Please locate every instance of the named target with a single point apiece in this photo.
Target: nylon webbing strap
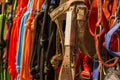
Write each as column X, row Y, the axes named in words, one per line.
column 95, row 70
column 108, row 38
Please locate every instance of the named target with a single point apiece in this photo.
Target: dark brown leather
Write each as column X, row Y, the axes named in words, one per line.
column 63, row 8
column 86, row 41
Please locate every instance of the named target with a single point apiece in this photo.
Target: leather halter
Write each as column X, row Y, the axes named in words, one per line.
column 96, row 24
column 94, row 21
column 112, row 42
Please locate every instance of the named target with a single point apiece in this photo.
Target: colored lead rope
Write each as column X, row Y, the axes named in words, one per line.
column 95, row 70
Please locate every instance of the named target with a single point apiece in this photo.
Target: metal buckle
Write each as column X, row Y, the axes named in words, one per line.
column 98, row 30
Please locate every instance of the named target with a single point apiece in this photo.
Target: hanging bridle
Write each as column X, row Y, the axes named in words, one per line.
column 99, row 28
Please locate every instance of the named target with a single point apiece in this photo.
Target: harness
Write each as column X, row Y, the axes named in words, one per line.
column 110, row 45
column 52, row 39
column 101, row 25
column 60, row 11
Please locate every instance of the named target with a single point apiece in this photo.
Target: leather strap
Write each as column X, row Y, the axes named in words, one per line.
column 60, row 32
column 58, row 15
column 58, row 21
column 108, row 39
column 63, row 8
column 66, row 70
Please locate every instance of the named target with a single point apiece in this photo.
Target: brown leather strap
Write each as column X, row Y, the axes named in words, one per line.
column 62, row 9
column 58, row 21
column 58, row 15
column 67, row 72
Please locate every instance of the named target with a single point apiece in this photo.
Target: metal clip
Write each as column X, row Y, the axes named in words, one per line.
column 98, row 30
